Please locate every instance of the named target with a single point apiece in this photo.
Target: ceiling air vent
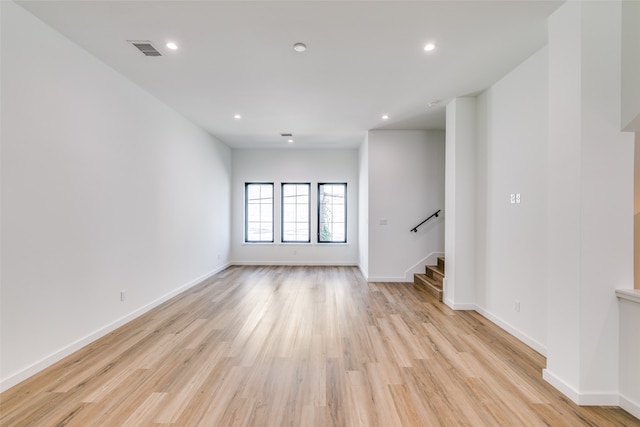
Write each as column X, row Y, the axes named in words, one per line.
column 286, row 134
column 145, row 47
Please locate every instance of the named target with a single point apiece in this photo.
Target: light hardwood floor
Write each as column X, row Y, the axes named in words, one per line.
column 304, row 347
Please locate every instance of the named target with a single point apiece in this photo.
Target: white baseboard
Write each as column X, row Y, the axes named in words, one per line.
column 364, row 273
column 539, row 347
column 296, row 263
column 399, row 279
column 459, row 305
column 559, row 384
column 598, row 399
column 58, row 355
column 419, row 267
column 630, row 406
column 582, row 399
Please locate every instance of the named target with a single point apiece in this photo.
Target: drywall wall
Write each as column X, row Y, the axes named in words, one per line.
column 294, row 165
column 636, row 211
column 630, row 352
column 460, row 203
column 363, row 207
column 511, row 237
column 590, row 201
column 104, row 189
column 630, row 66
column 564, row 169
column 406, row 185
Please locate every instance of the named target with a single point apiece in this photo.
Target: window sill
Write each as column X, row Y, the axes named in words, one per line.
column 294, row 244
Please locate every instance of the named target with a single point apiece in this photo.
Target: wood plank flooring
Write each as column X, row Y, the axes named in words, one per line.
column 300, row 346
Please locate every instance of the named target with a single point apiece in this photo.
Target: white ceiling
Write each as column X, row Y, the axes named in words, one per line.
column 364, row 59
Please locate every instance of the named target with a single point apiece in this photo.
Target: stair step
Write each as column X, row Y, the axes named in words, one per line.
column 430, row 285
column 441, row 263
column 435, row 273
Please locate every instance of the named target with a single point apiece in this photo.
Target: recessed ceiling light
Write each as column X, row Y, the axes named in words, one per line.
column 299, row 47
column 385, row 117
column 429, row 47
column 434, row 103
column 237, row 116
column 172, row 46
column 290, row 141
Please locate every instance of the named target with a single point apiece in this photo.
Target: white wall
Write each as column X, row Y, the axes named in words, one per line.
column 590, row 201
column 461, row 204
column 103, row 189
column 363, row 207
column 511, row 239
column 563, row 284
column 636, row 211
column 406, row 185
column 630, row 66
column 630, row 352
column 294, row 165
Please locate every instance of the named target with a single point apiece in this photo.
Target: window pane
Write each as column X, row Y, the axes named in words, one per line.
column 289, row 232
column 302, row 213
column 338, row 213
column 288, row 190
column 258, row 212
column 253, row 232
column 332, row 213
column 295, row 212
column 265, row 212
column 253, row 212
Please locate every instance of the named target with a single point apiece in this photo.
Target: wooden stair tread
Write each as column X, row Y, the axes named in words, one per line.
column 436, row 270
column 432, row 280
column 429, row 280
column 430, row 285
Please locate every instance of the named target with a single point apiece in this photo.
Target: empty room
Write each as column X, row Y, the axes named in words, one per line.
column 320, row 213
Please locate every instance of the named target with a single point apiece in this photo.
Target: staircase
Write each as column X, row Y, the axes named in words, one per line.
column 432, row 280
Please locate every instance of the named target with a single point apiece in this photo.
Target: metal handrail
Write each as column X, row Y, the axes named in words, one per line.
column 415, row 229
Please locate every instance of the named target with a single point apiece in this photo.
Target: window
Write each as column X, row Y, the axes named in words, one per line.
column 295, row 213
column 332, row 213
column 258, row 226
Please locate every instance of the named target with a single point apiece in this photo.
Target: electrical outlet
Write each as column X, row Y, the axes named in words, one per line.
column 123, row 295
column 513, row 198
column 517, row 197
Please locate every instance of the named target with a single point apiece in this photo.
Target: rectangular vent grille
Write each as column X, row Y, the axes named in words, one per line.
column 286, row 134
column 146, row 48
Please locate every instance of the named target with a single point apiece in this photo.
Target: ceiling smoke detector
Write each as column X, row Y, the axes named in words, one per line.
column 299, row 47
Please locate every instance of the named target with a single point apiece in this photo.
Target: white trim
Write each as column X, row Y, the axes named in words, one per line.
column 598, row 399
column 389, row 279
column 582, row 399
column 539, row 347
column 632, row 295
column 297, row 263
column 561, row 386
column 363, row 272
column 419, row 267
column 459, row 305
column 630, row 406
column 58, row 355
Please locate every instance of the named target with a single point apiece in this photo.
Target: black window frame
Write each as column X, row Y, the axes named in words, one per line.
column 282, row 239
column 246, row 212
column 320, row 184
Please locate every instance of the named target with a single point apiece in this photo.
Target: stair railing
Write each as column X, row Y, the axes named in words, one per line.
column 415, row 229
